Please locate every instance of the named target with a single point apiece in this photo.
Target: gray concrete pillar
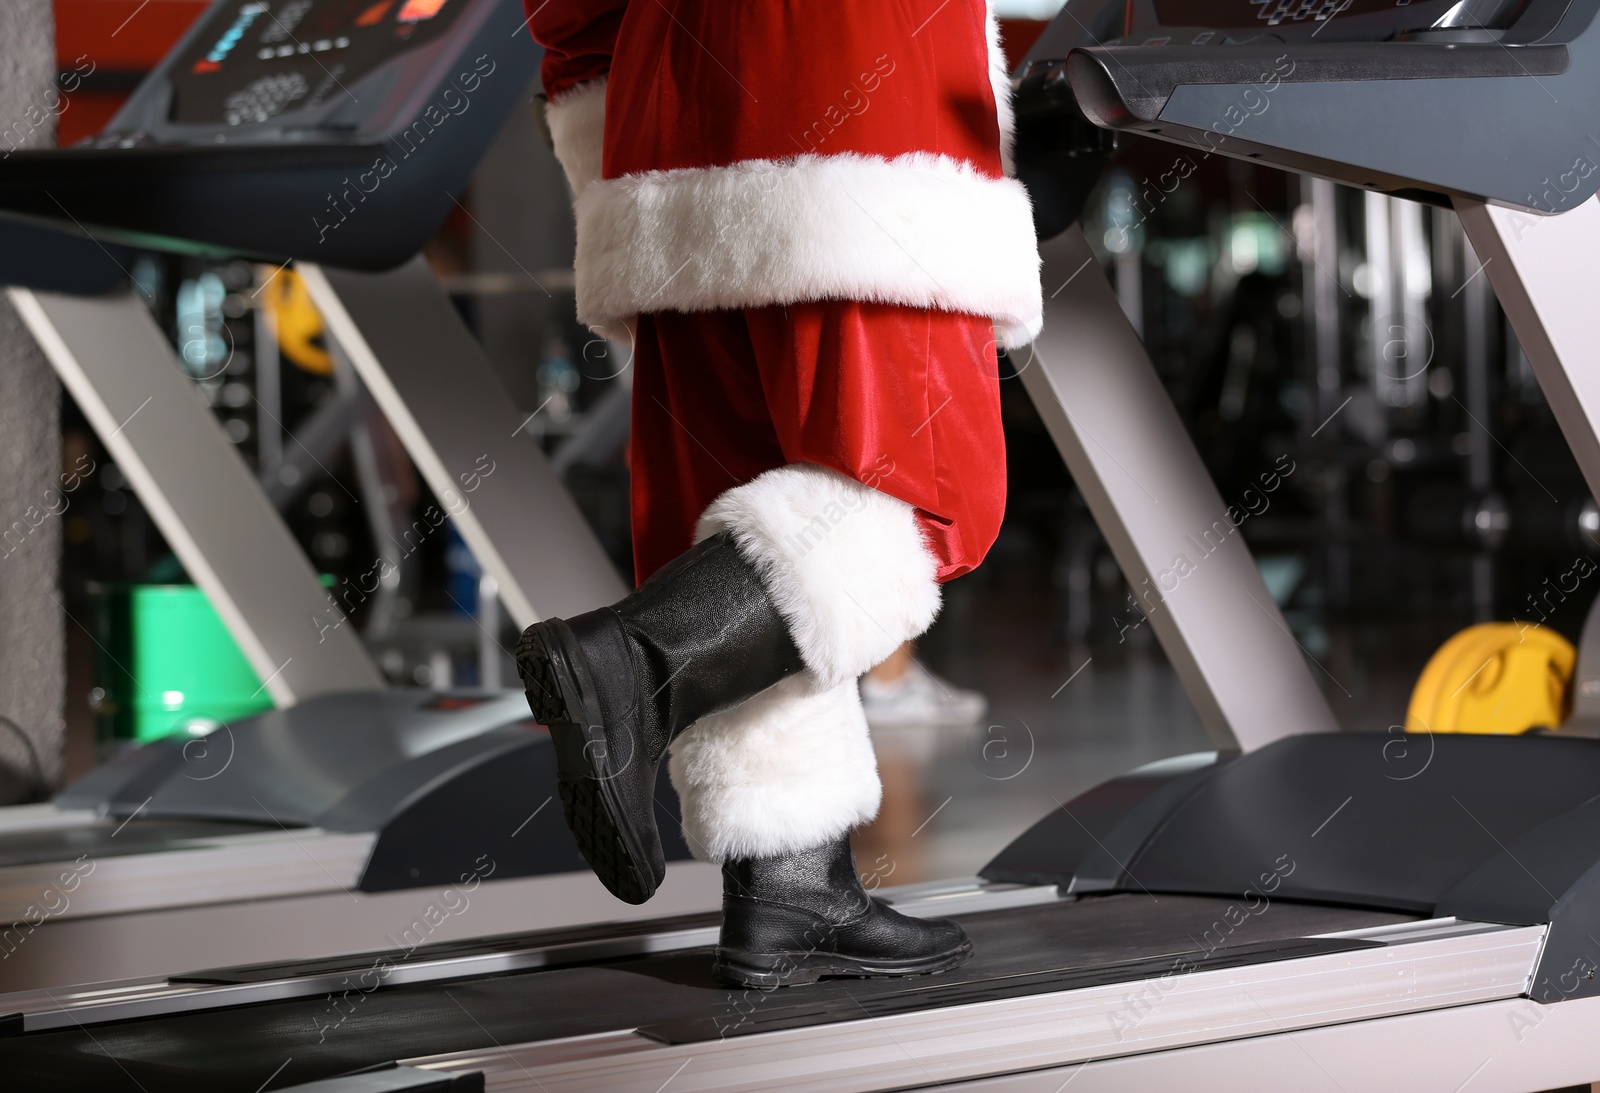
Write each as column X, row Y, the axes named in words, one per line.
column 32, row 650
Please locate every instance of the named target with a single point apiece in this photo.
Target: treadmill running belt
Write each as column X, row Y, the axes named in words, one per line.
column 1109, row 937
column 774, row 1016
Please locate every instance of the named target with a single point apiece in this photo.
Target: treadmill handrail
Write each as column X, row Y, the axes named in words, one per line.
column 1119, row 86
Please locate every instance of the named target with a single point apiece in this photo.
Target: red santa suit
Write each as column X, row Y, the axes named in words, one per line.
column 800, row 218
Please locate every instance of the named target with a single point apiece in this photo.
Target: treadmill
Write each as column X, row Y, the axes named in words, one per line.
column 335, row 136
column 1300, row 908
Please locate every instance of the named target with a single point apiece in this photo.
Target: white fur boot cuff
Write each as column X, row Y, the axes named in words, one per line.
column 781, row 772
column 846, row 565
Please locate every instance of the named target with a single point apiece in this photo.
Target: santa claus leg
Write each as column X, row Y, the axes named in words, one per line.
column 887, row 421
column 771, row 787
column 616, row 685
column 806, row 575
column 864, row 400
column 845, row 455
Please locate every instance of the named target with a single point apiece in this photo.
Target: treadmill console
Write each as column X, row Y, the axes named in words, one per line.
column 1217, row 22
column 295, row 70
column 1432, row 100
column 332, row 131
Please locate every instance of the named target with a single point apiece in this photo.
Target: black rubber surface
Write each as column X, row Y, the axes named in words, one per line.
column 795, row 1009
column 1118, row 938
column 596, row 819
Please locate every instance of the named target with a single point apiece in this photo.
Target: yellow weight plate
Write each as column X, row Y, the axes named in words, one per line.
column 297, row 322
column 1495, row 677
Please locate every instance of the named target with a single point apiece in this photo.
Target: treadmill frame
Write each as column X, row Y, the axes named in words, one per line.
column 199, row 491
column 436, row 387
column 1544, row 270
column 1163, row 518
column 1160, row 511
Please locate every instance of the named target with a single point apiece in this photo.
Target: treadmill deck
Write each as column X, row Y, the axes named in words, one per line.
column 668, row 998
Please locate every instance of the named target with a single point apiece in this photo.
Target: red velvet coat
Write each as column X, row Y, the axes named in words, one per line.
column 777, row 151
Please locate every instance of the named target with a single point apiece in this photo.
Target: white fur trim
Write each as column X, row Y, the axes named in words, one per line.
column 919, row 229
column 846, row 566
column 781, row 772
column 1000, row 80
column 577, row 121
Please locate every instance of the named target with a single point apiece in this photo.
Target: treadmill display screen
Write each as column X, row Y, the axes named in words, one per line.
column 1263, row 14
column 254, row 59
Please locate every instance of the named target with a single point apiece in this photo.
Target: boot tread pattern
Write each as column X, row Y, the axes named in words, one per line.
column 600, row 842
column 538, row 679
column 582, row 797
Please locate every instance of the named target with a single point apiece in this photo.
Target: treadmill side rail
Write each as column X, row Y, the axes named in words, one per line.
column 189, row 872
column 396, row 1079
column 939, row 1043
column 198, row 490
column 1508, row 1046
column 1549, row 875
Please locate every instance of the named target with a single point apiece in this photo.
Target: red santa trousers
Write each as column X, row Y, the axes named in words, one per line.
column 904, row 400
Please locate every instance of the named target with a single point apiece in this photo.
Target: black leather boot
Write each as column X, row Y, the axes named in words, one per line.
column 617, row 685
column 797, row 919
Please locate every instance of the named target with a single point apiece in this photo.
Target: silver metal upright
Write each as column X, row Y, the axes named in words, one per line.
column 1545, row 270
column 203, row 497
column 1099, row 395
column 438, row 390
column 1478, row 319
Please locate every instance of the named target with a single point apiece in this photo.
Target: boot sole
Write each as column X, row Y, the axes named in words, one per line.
column 766, row 971
column 561, row 696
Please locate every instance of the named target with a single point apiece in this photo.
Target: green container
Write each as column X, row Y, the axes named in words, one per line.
column 163, row 658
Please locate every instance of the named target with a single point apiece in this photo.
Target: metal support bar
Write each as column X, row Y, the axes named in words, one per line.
column 1116, row 427
column 125, row 377
column 269, row 397
column 314, row 445
column 1585, row 716
column 438, row 390
column 1481, row 329
column 382, row 524
column 1544, row 269
column 488, row 629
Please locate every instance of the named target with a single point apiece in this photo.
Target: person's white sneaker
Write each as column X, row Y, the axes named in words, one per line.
column 919, row 698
